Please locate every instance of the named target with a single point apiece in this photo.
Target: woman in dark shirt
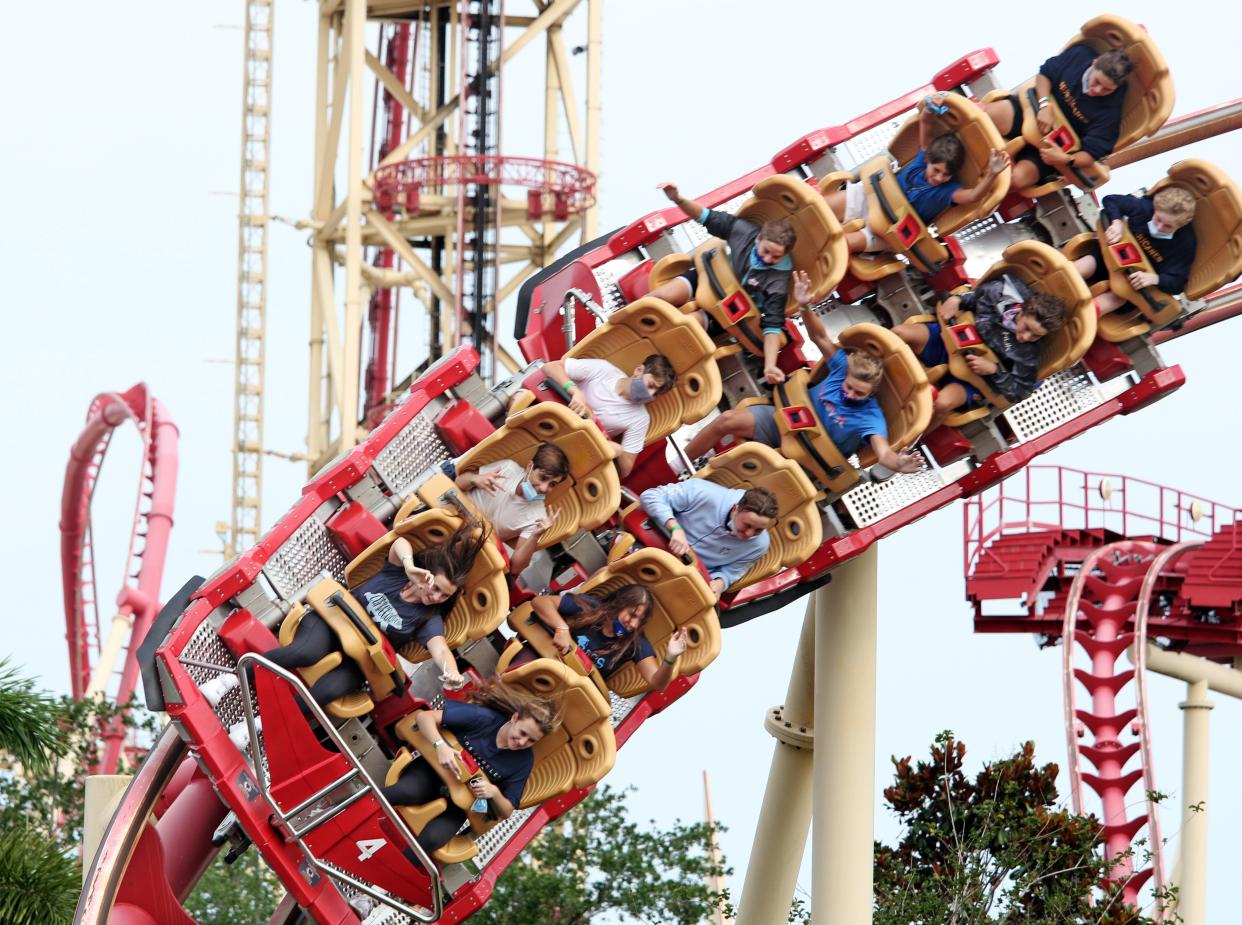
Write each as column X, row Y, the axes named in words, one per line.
column 498, row 728
column 609, row 630
column 407, row 599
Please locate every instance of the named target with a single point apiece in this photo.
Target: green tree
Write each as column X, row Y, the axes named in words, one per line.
column 39, row 878
column 595, row 862
column 995, row 848
column 240, row 893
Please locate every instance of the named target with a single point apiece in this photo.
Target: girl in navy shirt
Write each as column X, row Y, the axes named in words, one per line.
column 498, row 727
column 609, row 630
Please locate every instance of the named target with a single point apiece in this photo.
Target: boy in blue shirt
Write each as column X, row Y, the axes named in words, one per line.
column 844, row 401
column 1083, row 85
column 928, row 181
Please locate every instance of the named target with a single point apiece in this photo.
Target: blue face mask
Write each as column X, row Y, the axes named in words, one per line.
column 619, row 629
column 756, row 262
column 1151, row 230
column 528, row 491
column 639, row 391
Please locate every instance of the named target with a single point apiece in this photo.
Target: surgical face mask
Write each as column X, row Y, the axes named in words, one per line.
column 619, row 629
column 1156, row 233
column 528, row 491
column 639, row 391
column 479, row 806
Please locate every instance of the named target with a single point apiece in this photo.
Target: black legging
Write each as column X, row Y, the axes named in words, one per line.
column 419, row 783
column 313, row 640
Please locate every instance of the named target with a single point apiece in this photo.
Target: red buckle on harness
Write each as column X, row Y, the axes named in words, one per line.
column 735, row 306
column 798, row 417
column 909, row 229
column 966, row 336
column 1126, row 254
column 1063, row 138
column 585, row 660
column 469, row 764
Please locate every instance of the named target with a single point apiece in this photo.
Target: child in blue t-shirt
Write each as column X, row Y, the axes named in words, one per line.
column 928, row 180
column 845, row 402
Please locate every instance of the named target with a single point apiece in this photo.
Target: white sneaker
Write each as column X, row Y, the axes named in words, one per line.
column 213, row 691
column 362, row 904
column 239, row 734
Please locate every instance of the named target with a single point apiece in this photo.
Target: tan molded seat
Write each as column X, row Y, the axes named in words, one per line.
column 592, row 492
column 904, row 395
column 576, row 754
column 361, row 641
column 1148, row 101
column 1043, row 269
column 682, row 598
column 484, row 600
column 820, row 251
column 650, row 326
column 798, row 530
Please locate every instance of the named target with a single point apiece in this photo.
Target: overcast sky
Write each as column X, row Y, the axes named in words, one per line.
column 120, row 260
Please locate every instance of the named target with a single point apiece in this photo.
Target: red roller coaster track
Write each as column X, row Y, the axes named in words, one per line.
column 91, row 661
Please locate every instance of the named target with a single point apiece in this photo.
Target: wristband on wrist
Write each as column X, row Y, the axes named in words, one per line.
column 569, row 384
column 674, row 527
column 669, row 661
column 438, row 742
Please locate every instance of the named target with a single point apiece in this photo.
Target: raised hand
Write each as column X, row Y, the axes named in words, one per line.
column 998, row 160
column 490, row 482
column 802, row 288
column 670, row 190
column 678, row 642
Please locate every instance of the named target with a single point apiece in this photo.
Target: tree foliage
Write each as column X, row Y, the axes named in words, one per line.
column 596, row 863
column 995, row 848
column 240, row 893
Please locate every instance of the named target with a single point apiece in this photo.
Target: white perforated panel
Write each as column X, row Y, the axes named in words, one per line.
column 409, row 454
column 874, row 141
column 304, row 556
column 697, row 234
column 1059, row 398
column 872, row 501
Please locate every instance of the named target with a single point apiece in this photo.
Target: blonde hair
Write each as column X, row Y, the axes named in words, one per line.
column 1177, row 203
column 863, row 366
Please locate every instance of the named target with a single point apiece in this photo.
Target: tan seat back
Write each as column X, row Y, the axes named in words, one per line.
column 484, row 600
column 803, row 439
column 979, row 137
column 1043, row 269
column 820, row 250
column 1149, row 88
column 904, row 393
column 1217, row 223
column 650, row 326
column 360, row 639
column 583, row 749
column 798, row 530
column 591, row 493
column 682, row 599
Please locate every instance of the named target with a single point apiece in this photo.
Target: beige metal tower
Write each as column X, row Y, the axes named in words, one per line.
column 251, row 278
column 440, row 197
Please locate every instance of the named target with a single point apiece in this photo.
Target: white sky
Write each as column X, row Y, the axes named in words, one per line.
column 120, row 266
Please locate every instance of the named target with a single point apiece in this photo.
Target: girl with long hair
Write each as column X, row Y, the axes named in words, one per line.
column 608, row 629
column 408, row 599
column 498, row 727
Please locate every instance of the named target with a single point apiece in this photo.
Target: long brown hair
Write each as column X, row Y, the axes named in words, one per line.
column 599, row 612
column 454, row 557
column 509, row 699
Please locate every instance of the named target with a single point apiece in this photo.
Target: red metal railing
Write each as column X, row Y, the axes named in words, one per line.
column 1061, row 498
column 570, row 187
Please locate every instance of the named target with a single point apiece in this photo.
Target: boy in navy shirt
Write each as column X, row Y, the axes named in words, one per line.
column 1083, row 85
column 929, row 181
column 1161, row 226
column 845, row 402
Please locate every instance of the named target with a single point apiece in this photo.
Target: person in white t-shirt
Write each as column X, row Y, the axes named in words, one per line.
column 512, row 499
column 618, row 401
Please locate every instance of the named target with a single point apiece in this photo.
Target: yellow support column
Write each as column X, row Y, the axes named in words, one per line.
column 780, row 836
column 1192, row 865
column 844, row 791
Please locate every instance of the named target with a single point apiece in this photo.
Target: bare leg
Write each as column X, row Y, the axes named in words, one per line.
column 1024, row 174
column 676, row 291
column 736, row 422
column 913, row 334
column 1001, row 113
column 949, row 399
column 1107, row 302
